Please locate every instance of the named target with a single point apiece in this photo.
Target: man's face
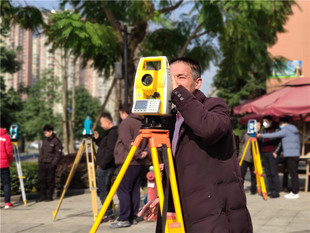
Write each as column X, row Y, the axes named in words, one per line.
column 47, row 134
column 181, row 75
column 123, row 115
column 104, row 123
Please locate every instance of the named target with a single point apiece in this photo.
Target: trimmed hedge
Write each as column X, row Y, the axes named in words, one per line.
column 79, row 179
column 30, row 172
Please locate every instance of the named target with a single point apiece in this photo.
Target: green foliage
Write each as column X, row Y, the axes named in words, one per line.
column 9, row 64
column 27, row 17
column 10, row 105
column 38, row 108
column 30, row 172
column 91, row 41
column 86, row 105
column 249, row 28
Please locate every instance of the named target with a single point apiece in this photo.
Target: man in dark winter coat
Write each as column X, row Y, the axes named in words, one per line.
column 49, row 156
column 128, row 191
column 209, row 181
column 105, row 160
column 270, row 159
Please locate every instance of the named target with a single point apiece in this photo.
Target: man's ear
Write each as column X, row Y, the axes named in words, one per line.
column 198, row 83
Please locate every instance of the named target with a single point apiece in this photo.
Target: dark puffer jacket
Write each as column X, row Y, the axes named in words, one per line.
column 106, row 143
column 209, row 181
column 51, row 150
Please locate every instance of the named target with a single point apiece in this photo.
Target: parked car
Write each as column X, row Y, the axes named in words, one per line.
column 34, row 145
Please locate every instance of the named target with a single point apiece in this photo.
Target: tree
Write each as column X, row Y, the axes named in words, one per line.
column 38, row 108
column 27, row 17
column 94, row 31
column 250, row 27
column 244, row 29
column 67, row 32
column 86, row 105
column 10, row 105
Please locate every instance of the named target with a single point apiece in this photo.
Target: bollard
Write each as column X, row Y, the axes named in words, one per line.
column 151, row 187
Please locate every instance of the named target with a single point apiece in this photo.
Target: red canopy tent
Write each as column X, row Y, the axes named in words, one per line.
column 291, row 100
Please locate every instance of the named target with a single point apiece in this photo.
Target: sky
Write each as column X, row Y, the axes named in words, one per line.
column 207, row 76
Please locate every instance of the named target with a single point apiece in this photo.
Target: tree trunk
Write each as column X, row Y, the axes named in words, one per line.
column 104, row 104
column 65, row 101
column 72, row 122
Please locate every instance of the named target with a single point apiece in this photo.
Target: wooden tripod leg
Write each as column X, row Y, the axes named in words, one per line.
column 178, row 225
column 260, row 171
column 92, row 179
column 71, row 174
column 116, row 183
column 158, row 179
column 175, row 193
column 258, row 184
column 245, row 150
column 19, row 171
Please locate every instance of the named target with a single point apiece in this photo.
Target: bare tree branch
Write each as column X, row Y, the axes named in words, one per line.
column 104, row 104
column 114, row 24
column 191, row 37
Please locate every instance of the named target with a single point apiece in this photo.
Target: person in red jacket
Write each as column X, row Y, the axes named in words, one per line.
column 6, row 157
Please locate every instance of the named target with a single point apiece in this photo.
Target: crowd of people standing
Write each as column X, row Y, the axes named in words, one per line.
column 204, row 148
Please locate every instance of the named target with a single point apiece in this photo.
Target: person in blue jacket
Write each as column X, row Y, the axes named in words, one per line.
column 291, row 150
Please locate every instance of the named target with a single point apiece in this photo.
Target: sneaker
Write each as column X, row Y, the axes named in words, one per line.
column 49, row 199
column 291, row 196
column 41, row 199
column 8, row 205
column 120, row 224
column 110, row 218
column 275, row 195
column 134, row 222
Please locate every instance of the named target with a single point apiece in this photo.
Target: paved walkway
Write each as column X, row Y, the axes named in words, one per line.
column 75, row 216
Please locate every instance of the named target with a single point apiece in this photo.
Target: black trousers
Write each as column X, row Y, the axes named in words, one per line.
column 244, row 167
column 271, row 170
column 128, row 193
column 292, row 166
column 6, row 183
column 46, row 179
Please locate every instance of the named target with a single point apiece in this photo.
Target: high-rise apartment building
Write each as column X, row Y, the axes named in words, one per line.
column 36, row 57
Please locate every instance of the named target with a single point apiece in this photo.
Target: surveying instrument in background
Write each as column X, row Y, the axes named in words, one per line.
column 152, row 92
column 14, row 138
column 258, row 169
column 87, row 143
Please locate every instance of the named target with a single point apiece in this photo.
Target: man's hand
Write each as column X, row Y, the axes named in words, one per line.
column 150, row 209
column 258, row 135
column 143, row 155
column 96, row 134
column 274, row 155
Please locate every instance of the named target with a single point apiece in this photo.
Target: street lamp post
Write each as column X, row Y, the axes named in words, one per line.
column 125, row 33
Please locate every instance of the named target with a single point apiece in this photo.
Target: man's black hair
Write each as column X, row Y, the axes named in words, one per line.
column 107, row 116
column 268, row 117
column 195, row 67
column 48, row 128
column 125, row 108
column 284, row 120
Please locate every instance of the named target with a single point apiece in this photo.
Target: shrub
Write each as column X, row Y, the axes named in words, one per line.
column 30, row 172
